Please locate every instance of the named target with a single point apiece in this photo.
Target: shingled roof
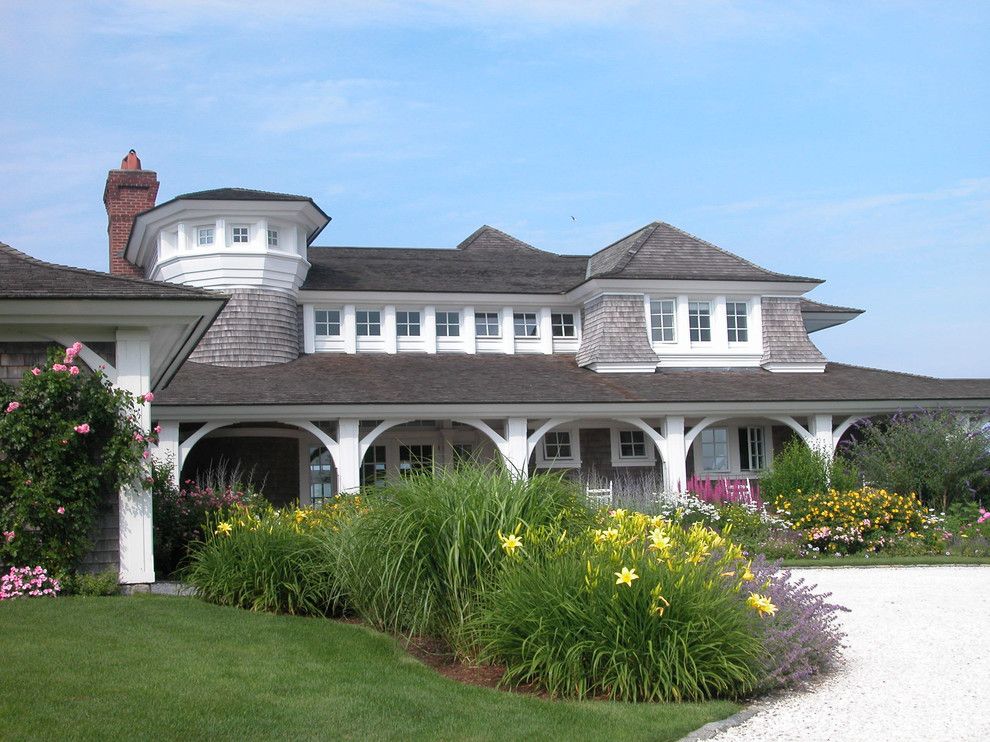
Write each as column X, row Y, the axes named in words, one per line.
column 661, row 251
column 409, row 378
column 488, row 261
column 24, row 277
column 807, row 305
column 239, row 194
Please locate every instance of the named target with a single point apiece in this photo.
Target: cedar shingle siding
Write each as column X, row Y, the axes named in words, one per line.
column 785, row 339
column 256, row 328
column 615, row 332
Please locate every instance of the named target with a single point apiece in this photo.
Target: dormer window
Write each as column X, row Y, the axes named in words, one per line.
column 327, row 322
column 272, row 238
column 700, row 321
column 448, row 324
column 407, row 324
column 662, row 320
column 563, row 325
column 369, row 322
column 736, row 315
column 525, row 324
column 487, row 325
column 204, row 236
column 239, row 235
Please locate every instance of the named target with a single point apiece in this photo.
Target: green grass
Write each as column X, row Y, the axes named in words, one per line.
column 177, row 668
column 884, row 561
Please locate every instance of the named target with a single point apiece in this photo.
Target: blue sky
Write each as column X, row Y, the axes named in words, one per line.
column 842, row 140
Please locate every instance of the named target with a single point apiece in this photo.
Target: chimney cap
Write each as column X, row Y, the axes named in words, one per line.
column 131, row 161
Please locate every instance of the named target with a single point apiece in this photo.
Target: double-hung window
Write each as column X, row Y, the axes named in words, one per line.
column 448, row 324
column 557, row 445
column 407, row 324
column 239, row 235
column 715, row 449
column 736, row 318
column 752, row 449
column 525, row 324
column 327, row 322
column 369, row 322
column 662, row 320
column 204, row 236
column 373, row 467
column 563, row 325
column 632, row 444
column 700, row 321
column 487, row 324
column 417, row 458
column 272, row 238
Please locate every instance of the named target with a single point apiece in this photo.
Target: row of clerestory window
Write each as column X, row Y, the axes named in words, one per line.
column 368, row 323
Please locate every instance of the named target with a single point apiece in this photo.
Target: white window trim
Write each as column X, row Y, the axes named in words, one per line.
column 650, row 459
column 748, row 315
column 213, row 235
column 711, row 321
column 459, row 313
column 421, row 324
column 340, row 321
column 269, row 231
column 649, row 318
column 498, row 324
column 536, row 321
column 728, row 449
column 574, row 462
column 574, row 325
column 233, row 230
column 381, row 322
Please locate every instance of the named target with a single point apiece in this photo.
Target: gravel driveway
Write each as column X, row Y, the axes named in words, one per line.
column 917, row 661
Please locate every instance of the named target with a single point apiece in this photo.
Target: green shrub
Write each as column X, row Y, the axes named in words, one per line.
column 639, row 609
column 417, row 559
column 799, row 468
column 265, row 559
column 92, row 585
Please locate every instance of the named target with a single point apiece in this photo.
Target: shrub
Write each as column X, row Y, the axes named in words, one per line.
column 67, row 440
column 966, row 530
column 417, row 559
column 92, row 585
column 797, row 468
column 867, row 518
column 804, row 638
column 639, row 609
column 25, row 582
column 264, row 559
column 931, row 452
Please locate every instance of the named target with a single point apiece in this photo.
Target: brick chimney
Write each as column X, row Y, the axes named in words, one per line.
column 129, row 191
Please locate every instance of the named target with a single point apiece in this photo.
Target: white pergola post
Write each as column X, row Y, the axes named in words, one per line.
column 137, row 563
column 675, row 463
column 820, row 427
column 516, row 453
column 349, row 460
column 168, row 447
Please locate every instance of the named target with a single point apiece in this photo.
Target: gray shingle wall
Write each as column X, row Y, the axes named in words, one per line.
column 16, row 358
column 256, row 328
column 785, row 339
column 615, row 332
column 105, row 554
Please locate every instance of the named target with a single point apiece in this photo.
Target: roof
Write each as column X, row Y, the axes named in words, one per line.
column 408, row 378
column 662, row 251
column 488, row 261
column 807, row 305
column 24, row 277
column 239, row 194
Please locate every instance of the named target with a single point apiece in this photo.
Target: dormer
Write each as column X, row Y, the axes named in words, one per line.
column 227, row 238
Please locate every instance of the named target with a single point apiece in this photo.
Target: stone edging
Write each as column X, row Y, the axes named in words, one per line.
column 712, row 728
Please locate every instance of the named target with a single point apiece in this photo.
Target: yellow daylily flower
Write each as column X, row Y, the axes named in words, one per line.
column 626, row 576
column 225, row 528
column 510, row 543
column 761, row 604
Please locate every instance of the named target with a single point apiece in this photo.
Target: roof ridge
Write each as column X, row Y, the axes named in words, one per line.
column 239, row 189
column 18, row 255
column 637, row 244
column 625, row 237
column 467, row 241
column 886, row 371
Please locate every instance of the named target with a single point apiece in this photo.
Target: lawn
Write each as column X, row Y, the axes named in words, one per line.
column 879, row 560
column 177, row 668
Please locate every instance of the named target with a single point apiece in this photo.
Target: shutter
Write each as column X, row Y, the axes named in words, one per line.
column 744, row 449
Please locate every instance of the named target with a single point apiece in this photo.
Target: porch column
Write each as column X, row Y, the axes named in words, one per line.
column 675, row 464
column 820, row 427
column 349, row 455
column 168, row 448
column 134, row 374
column 516, row 453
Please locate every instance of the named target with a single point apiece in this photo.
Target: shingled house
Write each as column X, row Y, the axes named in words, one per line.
column 330, row 368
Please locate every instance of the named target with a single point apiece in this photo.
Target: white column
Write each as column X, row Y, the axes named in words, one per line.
column 388, row 328
column 516, row 448
column 309, row 328
column 349, row 329
column 133, row 374
column 430, row 329
column 349, row 462
column 755, row 323
column 468, row 331
column 720, row 324
column 508, row 331
column 546, row 331
column 683, row 321
column 820, row 427
column 168, row 448
column 675, row 465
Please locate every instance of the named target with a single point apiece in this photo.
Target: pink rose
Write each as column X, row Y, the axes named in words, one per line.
column 8, row 536
column 148, row 397
column 138, row 437
column 59, row 367
column 158, row 428
column 61, row 510
column 36, row 371
column 82, row 429
column 74, row 370
column 146, row 454
column 13, row 406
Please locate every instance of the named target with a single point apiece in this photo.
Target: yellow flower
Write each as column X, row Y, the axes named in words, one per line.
column 626, row 576
column 761, row 604
column 300, row 516
column 225, row 528
column 618, row 513
column 659, row 541
column 748, row 574
column 510, row 543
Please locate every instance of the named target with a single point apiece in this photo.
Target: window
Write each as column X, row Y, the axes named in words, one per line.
column 448, row 324
column 321, row 476
column 369, row 322
column 662, row 320
column 327, row 322
column 563, row 325
column 752, row 452
column 487, row 325
column 525, row 324
column 373, row 467
column 557, row 445
column 736, row 315
column 414, row 459
column 407, row 324
column 700, row 321
column 632, row 444
column 714, row 449
column 463, row 453
column 240, row 234
column 272, row 238
column 204, row 236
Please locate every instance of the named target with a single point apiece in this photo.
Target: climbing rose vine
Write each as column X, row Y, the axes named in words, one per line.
column 67, row 440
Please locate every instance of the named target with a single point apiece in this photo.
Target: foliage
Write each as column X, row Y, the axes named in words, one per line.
column 416, row 561
column 180, row 514
column 265, row 559
column 67, row 439
column 930, row 452
column 966, row 530
column 804, row 639
column 798, row 468
column 638, row 609
column 25, row 582
column 862, row 519
column 100, row 584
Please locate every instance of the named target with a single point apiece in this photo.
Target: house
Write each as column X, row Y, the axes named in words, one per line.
column 329, row 368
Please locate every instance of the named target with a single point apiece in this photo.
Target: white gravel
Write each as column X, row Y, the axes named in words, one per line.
column 917, row 662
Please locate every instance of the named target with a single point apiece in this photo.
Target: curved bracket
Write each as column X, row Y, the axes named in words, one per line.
column 658, row 440
column 377, row 431
column 93, row 360
column 501, row 444
column 794, row 425
column 695, row 431
column 541, row 431
column 187, row 445
column 333, row 448
column 842, row 427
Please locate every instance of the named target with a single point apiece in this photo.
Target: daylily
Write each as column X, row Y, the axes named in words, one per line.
column 225, row 528
column 510, row 543
column 626, row 576
column 761, row 604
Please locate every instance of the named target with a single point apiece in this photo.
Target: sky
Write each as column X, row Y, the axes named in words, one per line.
column 843, row 140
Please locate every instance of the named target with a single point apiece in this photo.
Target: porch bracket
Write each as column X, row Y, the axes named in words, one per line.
column 697, row 429
column 93, row 360
column 842, row 427
column 658, row 440
column 541, row 431
column 187, row 445
column 333, row 448
column 794, row 425
column 377, row 431
column 476, row 422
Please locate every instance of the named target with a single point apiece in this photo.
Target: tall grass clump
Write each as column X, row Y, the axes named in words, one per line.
column 639, row 609
column 264, row 559
column 416, row 561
